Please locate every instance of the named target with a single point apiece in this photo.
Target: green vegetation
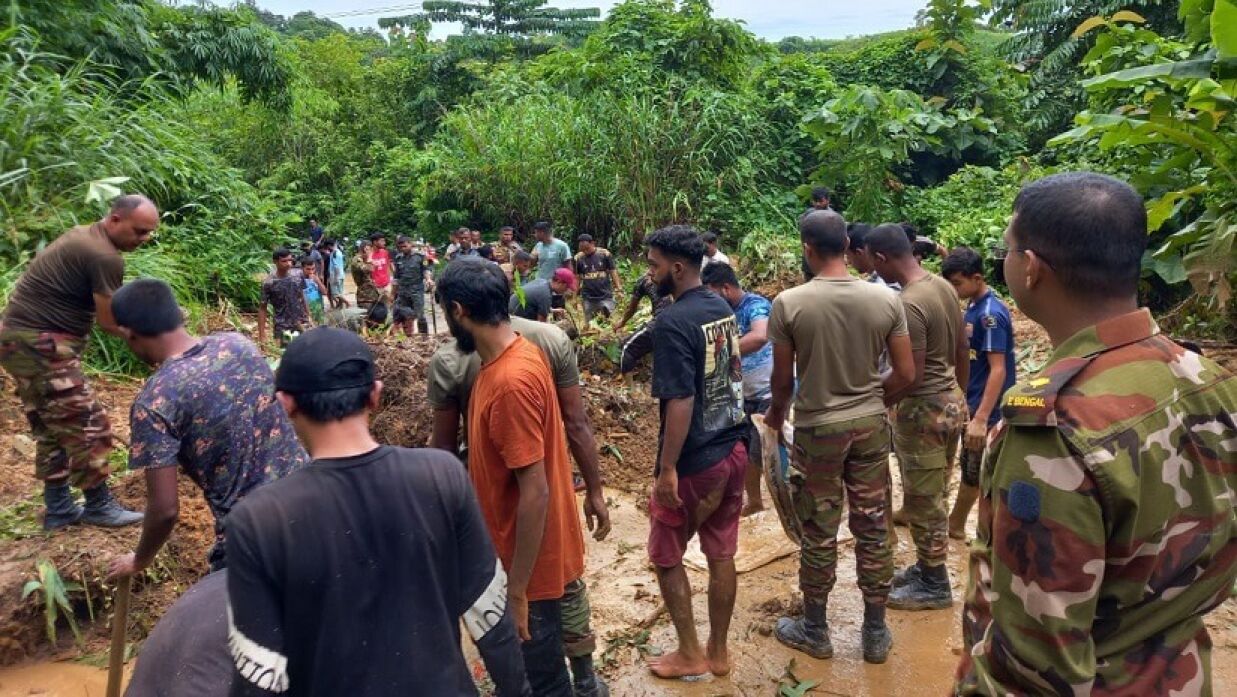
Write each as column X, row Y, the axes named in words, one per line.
column 243, row 124
column 55, row 598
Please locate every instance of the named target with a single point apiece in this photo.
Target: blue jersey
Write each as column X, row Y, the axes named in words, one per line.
column 758, row 365
column 989, row 329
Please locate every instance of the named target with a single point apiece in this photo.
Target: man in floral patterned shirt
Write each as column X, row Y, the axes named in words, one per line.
column 210, row 409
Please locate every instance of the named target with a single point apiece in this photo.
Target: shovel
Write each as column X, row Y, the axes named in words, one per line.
column 120, row 618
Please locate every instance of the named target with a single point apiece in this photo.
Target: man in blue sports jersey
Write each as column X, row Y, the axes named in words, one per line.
column 990, row 332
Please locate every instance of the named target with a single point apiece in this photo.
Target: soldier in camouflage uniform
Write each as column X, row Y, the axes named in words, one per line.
column 1106, row 516
column 930, row 415
column 841, row 429
column 412, row 273
column 361, row 268
column 48, row 318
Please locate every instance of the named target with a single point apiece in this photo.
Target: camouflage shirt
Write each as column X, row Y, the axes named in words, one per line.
column 213, row 412
column 1106, row 521
column 286, row 296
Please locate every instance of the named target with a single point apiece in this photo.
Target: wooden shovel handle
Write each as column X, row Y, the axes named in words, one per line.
column 120, row 619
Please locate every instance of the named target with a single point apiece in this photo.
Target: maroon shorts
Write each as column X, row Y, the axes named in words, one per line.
column 712, row 500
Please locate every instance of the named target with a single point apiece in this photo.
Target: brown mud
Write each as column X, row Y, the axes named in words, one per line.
column 628, row 615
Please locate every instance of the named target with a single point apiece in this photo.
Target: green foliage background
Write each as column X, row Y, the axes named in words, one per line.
column 242, row 124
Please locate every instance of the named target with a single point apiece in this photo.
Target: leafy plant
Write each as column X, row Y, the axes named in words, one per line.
column 791, row 686
column 55, row 596
column 1164, row 110
column 865, row 135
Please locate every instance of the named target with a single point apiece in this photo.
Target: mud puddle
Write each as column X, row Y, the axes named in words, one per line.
column 55, row 679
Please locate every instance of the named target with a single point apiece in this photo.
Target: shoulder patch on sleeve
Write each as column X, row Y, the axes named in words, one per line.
column 989, row 322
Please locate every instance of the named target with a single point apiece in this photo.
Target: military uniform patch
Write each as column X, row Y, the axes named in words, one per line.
column 1024, row 501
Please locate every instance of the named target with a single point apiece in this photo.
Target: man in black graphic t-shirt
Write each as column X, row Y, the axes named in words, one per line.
column 350, row 576
column 701, row 457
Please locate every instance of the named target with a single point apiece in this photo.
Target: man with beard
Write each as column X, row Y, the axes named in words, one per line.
column 519, row 466
column 701, row 458
column 450, row 379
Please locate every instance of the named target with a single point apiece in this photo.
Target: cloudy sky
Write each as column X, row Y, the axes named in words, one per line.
column 771, row 19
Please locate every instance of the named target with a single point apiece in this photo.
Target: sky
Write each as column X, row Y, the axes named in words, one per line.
column 769, row 19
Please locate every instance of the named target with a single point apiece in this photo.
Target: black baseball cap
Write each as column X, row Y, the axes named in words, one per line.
column 323, row 360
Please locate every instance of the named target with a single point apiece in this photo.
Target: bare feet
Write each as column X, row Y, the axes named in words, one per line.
column 752, row 508
column 959, row 534
column 719, row 660
column 676, row 665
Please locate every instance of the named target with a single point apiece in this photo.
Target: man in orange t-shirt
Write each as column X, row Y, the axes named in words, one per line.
column 518, row 461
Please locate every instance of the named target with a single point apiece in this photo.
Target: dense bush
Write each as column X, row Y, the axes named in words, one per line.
column 972, row 208
column 64, row 128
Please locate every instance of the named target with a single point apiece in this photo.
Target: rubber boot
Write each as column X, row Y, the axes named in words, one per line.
column 810, row 633
column 962, row 508
column 877, row 639
column 62, row 510
column 905, row 576
column 423, row 326
column 584, row 680
column 103, row 510
column 930, row 591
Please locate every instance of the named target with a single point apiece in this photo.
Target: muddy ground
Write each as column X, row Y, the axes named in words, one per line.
column 627, row 610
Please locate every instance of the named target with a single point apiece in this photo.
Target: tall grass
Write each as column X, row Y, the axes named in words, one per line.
column 64, row 125
column 615, row 165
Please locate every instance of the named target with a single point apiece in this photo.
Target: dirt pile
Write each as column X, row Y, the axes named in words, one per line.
column 406, row 418
column 625, row 424
column 624, row 417
column 80, row 555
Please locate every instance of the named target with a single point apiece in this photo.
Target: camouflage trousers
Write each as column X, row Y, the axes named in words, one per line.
column 71, row 430
column 578, row 637
column 926, row 432
column 853, row 455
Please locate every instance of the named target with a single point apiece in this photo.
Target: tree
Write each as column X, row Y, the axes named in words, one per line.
column 1164, row 111
column 495, row 25
column 143, row 39
column 1044, row 42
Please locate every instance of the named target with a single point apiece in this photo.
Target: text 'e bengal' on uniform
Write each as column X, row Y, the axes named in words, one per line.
column 1106, row 521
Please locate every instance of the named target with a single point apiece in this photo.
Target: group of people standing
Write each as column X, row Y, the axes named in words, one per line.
column 342, row 566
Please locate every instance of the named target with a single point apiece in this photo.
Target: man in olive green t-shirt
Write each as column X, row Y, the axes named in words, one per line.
column 449, row 382
column 49, row 314
column 841, row 427
column 929, row 417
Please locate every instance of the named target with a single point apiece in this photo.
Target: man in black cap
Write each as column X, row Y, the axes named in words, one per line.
column 351, row 575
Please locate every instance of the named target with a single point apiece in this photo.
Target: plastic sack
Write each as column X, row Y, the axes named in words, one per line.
column 775, row 463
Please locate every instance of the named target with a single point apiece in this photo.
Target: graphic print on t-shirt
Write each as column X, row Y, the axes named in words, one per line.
column 723, row 375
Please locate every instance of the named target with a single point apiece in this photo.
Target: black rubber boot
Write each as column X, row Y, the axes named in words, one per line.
column 809, row 634
column 877, row 639
column 103, row 510
column 905, row 576
column 423, row 326
column 584, row 680
column 62, row 510
column 930, row 591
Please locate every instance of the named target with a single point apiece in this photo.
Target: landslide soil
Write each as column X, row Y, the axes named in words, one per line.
column 627, row 610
